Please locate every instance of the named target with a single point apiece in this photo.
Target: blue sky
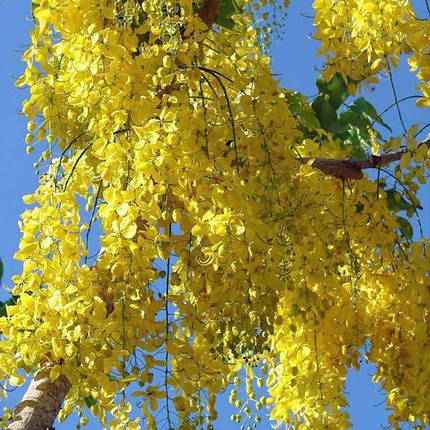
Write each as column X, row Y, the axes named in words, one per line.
column 293, row 59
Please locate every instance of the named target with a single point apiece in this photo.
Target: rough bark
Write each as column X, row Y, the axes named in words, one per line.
column 41, row 403
column 353, row 168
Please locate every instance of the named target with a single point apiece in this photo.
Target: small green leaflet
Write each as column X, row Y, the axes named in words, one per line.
column 310, row 119
column 353, row 136
column 10, row 302
column 335, row 88
column 331, row 95
column 298, row 106
column 357, row 133
column 324, row 111
column 295, row 101
column 362, row 107
column 405, row 227
column 90, row 401
column 34, row 5
column 396, row 202
column 228, row 9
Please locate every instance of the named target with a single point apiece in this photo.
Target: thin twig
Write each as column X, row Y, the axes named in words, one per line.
column 64, row 153
column 75, row 165
column 233, row 126
column 415, row 96
column 91, row 219
column 205, row 118
column 166, row 373
column 396, row 100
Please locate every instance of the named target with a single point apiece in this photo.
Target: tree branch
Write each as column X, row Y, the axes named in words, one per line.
column 209, row 12
column 352, row 168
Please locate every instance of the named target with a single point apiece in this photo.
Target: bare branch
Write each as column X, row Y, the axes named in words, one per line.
column 352, row 168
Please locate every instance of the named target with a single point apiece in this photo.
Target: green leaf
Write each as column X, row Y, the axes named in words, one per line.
column 90, row 401
column 34, row 5
column 405, row 227
column 310, row 120
column 357, row 133
column 10, row 302
column 325, row 112
column 359, row 121
column 295, row 101
column 338, row 126
column 227, row 10
column 336, row 89
column 353, row 137
column 299, row 107
column 396, row 202
column 361, row 106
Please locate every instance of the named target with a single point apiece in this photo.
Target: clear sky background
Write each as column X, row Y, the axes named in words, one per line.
column 294, row 59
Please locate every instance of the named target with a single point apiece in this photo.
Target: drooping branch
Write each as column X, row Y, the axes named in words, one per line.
column 43, row 399
column 352, row 168
column 209, row 12
column 41, row 403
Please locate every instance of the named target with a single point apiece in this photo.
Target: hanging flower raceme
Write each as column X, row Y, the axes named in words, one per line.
column 361, row 38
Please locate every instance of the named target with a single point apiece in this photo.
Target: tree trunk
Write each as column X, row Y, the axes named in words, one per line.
column 41, row 403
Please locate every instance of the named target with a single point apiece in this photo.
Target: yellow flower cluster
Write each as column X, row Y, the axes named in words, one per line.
column 330, row 311
column 361, row 38
column 177, row 143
